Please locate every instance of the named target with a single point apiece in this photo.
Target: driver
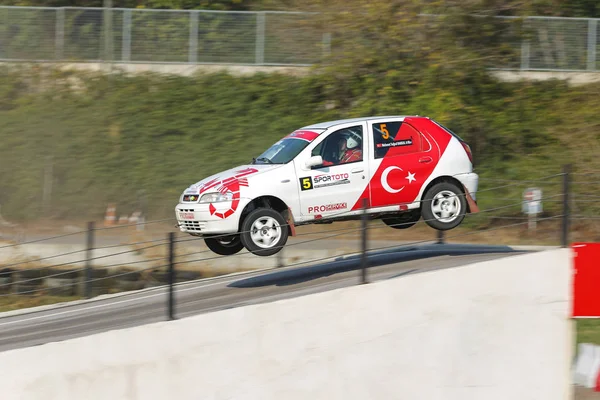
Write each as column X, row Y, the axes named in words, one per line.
column 349, row 149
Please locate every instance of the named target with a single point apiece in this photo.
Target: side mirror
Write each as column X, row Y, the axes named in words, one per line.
column 314, row 161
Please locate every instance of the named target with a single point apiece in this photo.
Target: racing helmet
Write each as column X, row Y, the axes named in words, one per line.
column 352, row 139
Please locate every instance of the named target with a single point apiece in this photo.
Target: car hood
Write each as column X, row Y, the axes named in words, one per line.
column 230, row 178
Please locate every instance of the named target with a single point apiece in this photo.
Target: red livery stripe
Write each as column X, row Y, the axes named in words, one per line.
column 309, row 136
column 400, row 176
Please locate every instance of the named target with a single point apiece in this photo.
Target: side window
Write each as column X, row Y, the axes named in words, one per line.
column 399, row 136
column 318, row 149
column 341, row 147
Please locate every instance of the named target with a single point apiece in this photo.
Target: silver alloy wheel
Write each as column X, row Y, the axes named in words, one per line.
column 265, row 232
column 446, row 206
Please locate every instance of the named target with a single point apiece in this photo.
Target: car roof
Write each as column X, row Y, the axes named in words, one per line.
column 328, row 124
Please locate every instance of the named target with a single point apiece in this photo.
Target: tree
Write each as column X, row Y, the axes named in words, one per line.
column 160, row 4
column 567, row 8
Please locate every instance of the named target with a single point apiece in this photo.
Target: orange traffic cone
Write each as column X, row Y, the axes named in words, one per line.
column 111, row 215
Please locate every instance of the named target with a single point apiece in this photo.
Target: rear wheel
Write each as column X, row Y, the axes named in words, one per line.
column 264, row 232
column 444, row 206
column 224, row 245
column 403, row 220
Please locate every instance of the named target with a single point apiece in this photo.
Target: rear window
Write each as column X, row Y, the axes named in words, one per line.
column 448, row 130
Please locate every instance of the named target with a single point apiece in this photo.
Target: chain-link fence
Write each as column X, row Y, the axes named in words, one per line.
column 69, row 34
column 560, row 44
column 158, row 36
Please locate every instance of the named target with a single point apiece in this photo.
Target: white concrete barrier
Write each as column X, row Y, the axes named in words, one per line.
column 494, row 330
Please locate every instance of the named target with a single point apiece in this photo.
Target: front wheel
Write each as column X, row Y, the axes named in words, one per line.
column 264, row 232
column 225, row 246
column 444, row 206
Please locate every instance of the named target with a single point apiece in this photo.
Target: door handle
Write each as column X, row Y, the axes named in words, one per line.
column 425, row 159
column 357, row 170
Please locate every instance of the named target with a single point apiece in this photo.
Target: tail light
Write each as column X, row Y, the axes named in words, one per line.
column 468, row 150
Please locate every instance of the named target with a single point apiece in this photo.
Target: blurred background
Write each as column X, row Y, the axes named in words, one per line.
column 127, row 102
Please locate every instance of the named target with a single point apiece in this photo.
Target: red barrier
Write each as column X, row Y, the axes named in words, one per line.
column 586, row 280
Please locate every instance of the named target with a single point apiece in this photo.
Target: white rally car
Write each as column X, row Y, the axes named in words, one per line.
column 401, row 167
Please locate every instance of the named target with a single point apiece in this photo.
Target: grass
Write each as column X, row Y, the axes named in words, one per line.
column 14, row 302
column 588, row 331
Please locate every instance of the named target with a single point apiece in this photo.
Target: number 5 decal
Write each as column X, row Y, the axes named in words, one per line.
column 385, row 134
column 306, row 183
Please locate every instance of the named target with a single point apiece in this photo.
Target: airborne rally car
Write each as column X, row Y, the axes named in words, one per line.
column 404, row 167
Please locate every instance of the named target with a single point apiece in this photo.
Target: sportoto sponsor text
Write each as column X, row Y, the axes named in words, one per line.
column 331, row 180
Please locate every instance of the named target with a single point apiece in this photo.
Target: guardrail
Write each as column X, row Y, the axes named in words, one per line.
column 167, row 261
column 120, row 35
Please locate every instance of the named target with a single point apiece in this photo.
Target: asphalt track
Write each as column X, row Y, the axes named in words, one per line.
column 66, row 321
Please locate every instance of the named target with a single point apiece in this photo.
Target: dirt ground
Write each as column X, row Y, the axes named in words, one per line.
column 500, row 231
column 581, row 393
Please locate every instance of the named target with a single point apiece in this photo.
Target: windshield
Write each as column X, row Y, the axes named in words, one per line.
column 281, row 152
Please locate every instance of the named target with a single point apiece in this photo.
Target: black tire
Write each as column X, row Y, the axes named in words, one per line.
column 224, row 245
column 403, row 220
column 444, row 196
column 274, row 232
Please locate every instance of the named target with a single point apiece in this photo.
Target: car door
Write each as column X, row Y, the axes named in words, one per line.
column 403, row 159
column 337, row 186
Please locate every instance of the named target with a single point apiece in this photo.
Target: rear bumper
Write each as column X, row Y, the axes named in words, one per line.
column 471, row 183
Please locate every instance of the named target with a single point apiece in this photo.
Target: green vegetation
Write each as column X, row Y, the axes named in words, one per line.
column 564, row 8
column 107, row 138
column 588, row 331
column 161, row 4
column 131, row 139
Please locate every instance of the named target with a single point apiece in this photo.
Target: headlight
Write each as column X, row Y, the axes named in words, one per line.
column 216, row 197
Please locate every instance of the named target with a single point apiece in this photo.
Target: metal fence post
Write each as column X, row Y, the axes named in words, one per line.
column 326, row 44
column 440, row 237
column 193, row 40
column 566, row 209
column 525, row 46
column 59, row 38
column 591, row 50
column 171, row 258
column 126, row 45
column 88, row 260
column 48, row 180
column 260, row 37
column 108, row 55
column 280, row 259
column 363, row 258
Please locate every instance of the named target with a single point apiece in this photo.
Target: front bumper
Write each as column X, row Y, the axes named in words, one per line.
column 197, row 219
